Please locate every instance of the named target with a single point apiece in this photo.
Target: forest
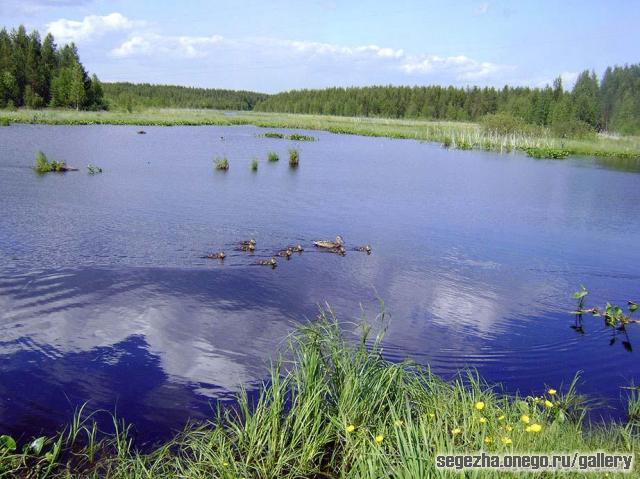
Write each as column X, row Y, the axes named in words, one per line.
column 609, row 104
column 144, row 95
column 35, row 74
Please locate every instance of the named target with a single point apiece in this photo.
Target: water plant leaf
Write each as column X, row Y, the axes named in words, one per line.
column 580, row 294
column 37, row 445
column 633, row 306
column 7, row 442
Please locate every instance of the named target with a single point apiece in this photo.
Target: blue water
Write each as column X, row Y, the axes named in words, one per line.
column 105, row 296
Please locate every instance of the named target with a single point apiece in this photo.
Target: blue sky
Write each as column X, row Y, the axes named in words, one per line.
column 282, row 44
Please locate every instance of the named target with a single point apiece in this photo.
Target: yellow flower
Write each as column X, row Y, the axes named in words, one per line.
column 351, row 428
column 552, row 392
column 480, row 405
column 502, row 418
column 508, row 428
column 506, row 440
column 548, row 403
column 483, row 420
column 456, row 431
column 379, row 438
column 534, row 428
column 225, row 464
column 398, row 423
column 432, row 415
column 488, row 440
column 525, row 419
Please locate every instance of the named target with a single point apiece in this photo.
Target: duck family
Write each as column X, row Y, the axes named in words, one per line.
column 332, row 246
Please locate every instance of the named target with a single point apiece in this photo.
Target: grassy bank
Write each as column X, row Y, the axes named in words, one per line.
column 335, row 408
column 452, row 134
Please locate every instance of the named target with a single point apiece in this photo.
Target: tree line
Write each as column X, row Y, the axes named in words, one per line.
column 35, row 73
column 612, row 103
column 133, row 95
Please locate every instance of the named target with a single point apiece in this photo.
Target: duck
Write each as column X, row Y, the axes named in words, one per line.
column 248, row 247
column 248, row 242
column 339, row 242
column 268, row 262
column 297, row 248
column 285, row 253
column 142, row 132
column 365, row 248
column 218, row 255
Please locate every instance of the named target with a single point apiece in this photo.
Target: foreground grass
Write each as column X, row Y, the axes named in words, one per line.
column 454, row 134
column 335, row 409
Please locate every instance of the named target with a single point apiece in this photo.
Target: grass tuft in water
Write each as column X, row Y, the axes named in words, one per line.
column 93, row 169
column 299, row 137
column 272, row 156
column 254, row 165
column 273, row 134
column 547, row 152
column 294, row 157
column 221, row 163
column 44, row 165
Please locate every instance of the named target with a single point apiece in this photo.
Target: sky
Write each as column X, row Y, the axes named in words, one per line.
column 281, row 44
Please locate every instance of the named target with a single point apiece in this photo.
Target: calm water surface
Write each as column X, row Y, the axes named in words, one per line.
column 105, row 297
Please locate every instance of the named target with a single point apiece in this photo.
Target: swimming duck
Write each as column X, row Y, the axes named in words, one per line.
column 218, row 255
column 339, row 250
column 339, row 242
column 297, row 248
column 365, row 249
column 248, row 242
column 142, row 132
column 248, row 247
column 285, row 253
column 268, row 262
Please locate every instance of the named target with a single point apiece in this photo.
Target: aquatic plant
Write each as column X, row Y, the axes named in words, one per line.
column 254, row 165
column 547, row 152
column 335, row 408
column 294, row 157
column 5, row 121
column 463, row 144
column 44, row 165
column 221, row 163
column 447, row 141
column 92, row 169
column 273, row 134
column 299, row 137
column 272, row 156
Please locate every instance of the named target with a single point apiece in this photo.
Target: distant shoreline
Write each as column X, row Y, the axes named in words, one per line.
column 460, row 135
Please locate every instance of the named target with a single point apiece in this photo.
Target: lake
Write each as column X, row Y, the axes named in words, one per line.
column 105, row 295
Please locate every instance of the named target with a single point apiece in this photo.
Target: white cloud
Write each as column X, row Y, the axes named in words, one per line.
column 89, row 27
column 481, row 9
column 147, row 44
column 463, row 67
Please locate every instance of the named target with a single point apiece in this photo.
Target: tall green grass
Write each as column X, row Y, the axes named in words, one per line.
column 333, row 407
column 272, row 156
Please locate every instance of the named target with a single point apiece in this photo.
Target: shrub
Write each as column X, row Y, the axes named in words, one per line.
column 573, row 129
column 221, row 163
column 273, row 156
column 503, row 123
column 294, row 157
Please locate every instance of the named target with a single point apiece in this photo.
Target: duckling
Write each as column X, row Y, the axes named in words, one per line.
column 365, row 249
column 251, row 247
column 297, row 248
column 339, row 250
column 339, row 242
column 285, row 253
column 248, row 242
column 268, row 262
column 218, row 255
